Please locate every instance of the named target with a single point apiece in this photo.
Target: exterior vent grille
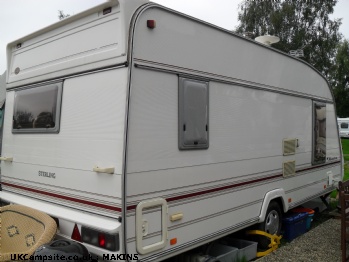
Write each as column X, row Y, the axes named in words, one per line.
column 289, row 168
column 289, row 146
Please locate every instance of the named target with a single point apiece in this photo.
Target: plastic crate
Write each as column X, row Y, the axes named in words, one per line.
column 294, row 225
column 305, row 210
column 246, row 249
column 222, row 253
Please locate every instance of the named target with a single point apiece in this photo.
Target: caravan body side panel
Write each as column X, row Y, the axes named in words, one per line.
column 257, row 98
column 91, row 134
column 208, row 51
column 80, row 43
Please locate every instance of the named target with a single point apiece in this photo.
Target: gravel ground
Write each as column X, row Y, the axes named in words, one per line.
column 321, row 243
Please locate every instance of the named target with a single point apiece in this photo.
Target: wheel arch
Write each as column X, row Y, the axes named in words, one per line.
column 277, row 195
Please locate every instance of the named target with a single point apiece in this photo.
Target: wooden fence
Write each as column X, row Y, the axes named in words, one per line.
column 344, row 208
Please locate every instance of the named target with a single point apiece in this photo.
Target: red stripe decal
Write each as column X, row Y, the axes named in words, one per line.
column 214, row 190
column 235, row 185
column 168, row 199
column 64, row 197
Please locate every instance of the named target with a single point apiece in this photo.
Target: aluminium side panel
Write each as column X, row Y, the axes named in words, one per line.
column 257, row 98
column 83, row 42
column 220, row 189
column 59, row 167
column 223, row 54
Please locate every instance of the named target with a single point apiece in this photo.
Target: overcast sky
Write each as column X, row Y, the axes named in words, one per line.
column 22, row 17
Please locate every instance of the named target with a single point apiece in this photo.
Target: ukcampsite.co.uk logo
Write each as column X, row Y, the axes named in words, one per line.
column 56, row 257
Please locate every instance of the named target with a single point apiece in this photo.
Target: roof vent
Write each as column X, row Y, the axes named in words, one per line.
column 267, row 39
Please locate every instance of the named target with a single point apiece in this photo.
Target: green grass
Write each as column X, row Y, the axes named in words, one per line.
column 243, row 259
column 345, row 146
column 346, row 173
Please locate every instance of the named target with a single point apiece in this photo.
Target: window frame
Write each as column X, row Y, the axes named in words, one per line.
column 53, row 130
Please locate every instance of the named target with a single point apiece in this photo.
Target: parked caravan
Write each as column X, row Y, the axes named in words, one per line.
column 145, row 132
column 343, row 126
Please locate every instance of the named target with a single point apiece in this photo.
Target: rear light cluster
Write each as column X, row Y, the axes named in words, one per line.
column 100, row 239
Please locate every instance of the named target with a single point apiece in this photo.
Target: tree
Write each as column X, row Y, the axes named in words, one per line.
column 299, row 25
column 340, row 81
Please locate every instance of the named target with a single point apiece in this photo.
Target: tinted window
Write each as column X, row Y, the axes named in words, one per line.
column 37, row 109
column 193, row 114
column 344, row 125
column 319, row 136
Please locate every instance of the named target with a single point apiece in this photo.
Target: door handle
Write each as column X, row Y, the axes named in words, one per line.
column 108, row 170
column 4, row 158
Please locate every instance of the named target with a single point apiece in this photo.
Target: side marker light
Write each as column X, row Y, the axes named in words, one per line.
column 173, row 241
column 151, row 24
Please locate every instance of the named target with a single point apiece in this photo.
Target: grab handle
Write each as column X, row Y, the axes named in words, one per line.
column 4, row 158
column 108, row 170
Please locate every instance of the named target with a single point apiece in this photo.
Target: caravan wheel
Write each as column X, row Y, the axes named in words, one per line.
column 271, row 224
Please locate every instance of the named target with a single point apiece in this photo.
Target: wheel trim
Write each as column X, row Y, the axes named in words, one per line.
column 272, row 222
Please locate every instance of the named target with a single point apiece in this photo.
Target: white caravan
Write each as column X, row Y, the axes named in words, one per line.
column 147, row 132
column 343, row 125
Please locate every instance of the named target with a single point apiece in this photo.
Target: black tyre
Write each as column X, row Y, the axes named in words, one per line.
column 271, row 224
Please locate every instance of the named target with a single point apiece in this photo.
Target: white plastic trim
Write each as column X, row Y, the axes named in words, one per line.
column 106, row 224
column 8, row 159
column 108, row 170
column 139, row 222
column 276, row 193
